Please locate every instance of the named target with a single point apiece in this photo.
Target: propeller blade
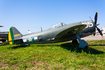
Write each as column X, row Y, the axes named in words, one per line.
column 97, row 24
column 99, row 31
column 95, row 18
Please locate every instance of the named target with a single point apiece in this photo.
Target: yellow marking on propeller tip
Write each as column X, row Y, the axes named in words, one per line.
column 96, row 11
column 102, row 35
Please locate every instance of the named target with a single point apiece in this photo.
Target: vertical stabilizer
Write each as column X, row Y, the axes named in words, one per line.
column 10, row 36
column 14, row 34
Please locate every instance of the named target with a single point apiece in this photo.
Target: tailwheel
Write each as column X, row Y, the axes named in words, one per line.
column 74, row 41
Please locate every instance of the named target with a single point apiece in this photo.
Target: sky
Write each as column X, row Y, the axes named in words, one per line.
column 33, row 14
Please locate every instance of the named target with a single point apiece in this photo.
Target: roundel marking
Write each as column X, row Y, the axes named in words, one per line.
column 30, row 39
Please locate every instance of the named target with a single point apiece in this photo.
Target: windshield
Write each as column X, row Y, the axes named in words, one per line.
column 58, row 25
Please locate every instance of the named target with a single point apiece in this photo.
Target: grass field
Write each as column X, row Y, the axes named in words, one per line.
column 57, row 56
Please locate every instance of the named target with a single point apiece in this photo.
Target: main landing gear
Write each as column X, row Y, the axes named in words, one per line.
column 83, row 44
column 74, row 41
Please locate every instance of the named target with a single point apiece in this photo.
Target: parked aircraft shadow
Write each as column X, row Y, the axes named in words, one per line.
column 97, row 45
column 47, row 45
column 3, row 44
column 69, row 46
column 72, row 48
column 17, row 46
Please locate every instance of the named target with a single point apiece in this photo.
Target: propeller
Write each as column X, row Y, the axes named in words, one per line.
column 95, row 18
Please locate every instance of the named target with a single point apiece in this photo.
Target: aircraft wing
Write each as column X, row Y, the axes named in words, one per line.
column 70, row 32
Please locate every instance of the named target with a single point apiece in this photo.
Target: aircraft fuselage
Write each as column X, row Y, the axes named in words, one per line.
column 62, row 33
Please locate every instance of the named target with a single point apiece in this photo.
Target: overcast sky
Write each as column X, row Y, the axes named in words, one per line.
column 32, row 14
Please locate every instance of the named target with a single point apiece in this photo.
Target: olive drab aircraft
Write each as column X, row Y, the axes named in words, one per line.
column 3, row 36
column 58, row 33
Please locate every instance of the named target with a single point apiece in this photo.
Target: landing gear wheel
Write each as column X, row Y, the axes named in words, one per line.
column 74, row 41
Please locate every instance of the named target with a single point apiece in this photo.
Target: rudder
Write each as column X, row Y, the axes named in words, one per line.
column 14, row 34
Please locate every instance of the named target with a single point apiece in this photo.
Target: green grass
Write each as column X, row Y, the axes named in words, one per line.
column 56, row 56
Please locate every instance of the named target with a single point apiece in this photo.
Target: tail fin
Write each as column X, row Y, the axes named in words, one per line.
column 14, row 34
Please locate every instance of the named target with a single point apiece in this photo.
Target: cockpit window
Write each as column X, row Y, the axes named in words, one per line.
column 58, row 25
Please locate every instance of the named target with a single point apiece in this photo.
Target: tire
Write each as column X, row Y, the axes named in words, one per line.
column 74, row 41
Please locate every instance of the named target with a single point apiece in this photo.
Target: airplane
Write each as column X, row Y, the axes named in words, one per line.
column 62, row 33
column 3, row 36
column 1, row 26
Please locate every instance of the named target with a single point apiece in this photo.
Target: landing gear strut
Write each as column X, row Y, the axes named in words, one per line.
column 74, row 41
column 83, row 43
